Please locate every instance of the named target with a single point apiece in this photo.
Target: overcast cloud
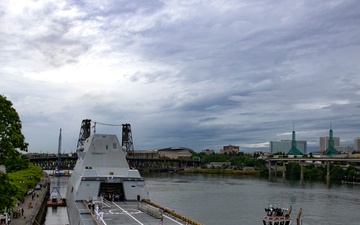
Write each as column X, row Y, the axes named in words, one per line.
column 198, row 74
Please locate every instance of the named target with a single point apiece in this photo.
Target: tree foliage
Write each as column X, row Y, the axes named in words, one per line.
column 13, row 186
column 12, row 141
column 293, row 170
column 7, row 191
column 238, row 160
column 16, row 163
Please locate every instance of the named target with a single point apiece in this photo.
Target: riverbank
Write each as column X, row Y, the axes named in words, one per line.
column 222, row 171
column 33, row 208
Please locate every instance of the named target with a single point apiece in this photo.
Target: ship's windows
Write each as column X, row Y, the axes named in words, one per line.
column 72, row 189
column 114, row 146
column 111, row 173
column 107, row 147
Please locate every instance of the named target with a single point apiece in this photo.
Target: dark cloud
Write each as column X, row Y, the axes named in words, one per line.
column 183, row 73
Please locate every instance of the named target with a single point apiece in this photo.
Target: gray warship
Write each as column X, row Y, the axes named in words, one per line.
column 104, row 190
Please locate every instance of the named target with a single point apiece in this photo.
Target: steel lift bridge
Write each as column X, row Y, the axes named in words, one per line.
column 85, row 132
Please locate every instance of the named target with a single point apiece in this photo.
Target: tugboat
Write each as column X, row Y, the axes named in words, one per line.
column 60, row 173
column 279, row 216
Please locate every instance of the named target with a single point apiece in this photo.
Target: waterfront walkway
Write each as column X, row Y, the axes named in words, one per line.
column 27, row 210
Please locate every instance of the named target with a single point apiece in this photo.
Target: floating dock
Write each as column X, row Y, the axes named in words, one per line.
column 55, row 199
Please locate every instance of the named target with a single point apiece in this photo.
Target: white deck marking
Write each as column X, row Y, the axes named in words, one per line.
column 172, row 219
column 102, row 220
column 128, row 213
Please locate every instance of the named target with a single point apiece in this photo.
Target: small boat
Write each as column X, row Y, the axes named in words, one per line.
column 55, row 198
column 279, row 216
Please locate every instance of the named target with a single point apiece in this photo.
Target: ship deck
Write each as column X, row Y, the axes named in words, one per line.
column 117, row 213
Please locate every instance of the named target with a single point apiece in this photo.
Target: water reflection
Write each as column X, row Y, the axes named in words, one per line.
column 57, row 215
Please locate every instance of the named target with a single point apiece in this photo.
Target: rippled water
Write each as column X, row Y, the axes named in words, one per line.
column 230, row 200
column 58, row 215
column 214, row 199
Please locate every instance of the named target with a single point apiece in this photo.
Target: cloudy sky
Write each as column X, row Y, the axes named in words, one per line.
column 198, row 74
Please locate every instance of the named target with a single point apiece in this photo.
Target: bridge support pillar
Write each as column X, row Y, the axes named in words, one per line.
column 327, row 172
column 301, row 172
column 275, row 170
column 284, row 171
column 269, row 170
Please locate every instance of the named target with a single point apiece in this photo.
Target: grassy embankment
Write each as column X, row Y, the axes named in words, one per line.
column 25, row 179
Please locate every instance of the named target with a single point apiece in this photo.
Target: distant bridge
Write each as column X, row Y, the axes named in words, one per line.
column 272, row 164
column 50, row 162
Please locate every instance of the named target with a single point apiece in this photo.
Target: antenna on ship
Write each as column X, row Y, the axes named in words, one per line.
column 127, row 140
column 84, row 133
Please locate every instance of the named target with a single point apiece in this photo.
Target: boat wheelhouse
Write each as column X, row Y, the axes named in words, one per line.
column 277, row 216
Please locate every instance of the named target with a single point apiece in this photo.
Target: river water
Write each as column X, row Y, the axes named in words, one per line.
column 233, row 200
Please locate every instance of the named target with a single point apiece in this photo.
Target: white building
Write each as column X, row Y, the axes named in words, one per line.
column 324, row 142
column 344, row 149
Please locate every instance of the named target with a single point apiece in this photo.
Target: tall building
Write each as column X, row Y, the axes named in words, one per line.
column 285, row 145
column 324, row 142
column 357, row 144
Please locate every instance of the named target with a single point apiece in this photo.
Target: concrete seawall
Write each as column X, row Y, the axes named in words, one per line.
column 39, row 213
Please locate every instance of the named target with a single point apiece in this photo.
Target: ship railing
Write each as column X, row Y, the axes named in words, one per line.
column 92, row 209
column 172, row 213
column 151, row 210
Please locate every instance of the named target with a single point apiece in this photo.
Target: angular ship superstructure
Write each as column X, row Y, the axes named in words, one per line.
column 101, row 176
column 103, row 189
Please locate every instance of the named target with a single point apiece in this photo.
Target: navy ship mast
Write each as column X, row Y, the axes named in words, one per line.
column 84, row 132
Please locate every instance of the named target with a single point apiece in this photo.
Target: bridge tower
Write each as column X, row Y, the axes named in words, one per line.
column 127, row 139
column 85, row 131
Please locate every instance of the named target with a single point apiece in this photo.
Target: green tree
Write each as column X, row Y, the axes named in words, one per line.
column 7, row 191
column 337, row 173
column 293, row 170
column 12, row 141
column 16, row 163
